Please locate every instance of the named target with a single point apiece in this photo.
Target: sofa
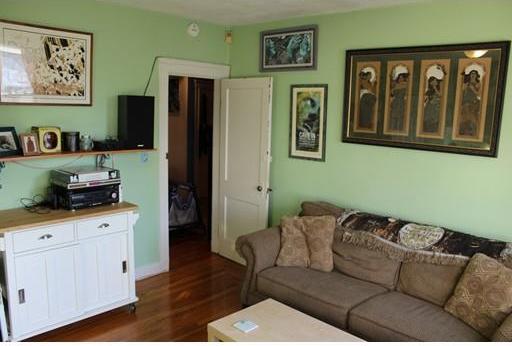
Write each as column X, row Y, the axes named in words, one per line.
column 369, row 293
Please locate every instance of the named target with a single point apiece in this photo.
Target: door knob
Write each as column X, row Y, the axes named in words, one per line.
column 259, row 188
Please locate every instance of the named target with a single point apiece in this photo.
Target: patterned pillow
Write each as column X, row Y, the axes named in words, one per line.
column 483, row 295
column 294, row 250
column 319, row 236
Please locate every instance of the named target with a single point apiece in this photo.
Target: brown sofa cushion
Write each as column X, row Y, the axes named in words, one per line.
column 434, row 283
column 365, row 264
column 504, row 332
column 396, row 316
column 483, row 296
column 320, row 209
column 319, row 237
column 294, row 250
column 327, row 296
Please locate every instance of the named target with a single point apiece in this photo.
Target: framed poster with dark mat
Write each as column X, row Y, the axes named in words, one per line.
column 445, row 98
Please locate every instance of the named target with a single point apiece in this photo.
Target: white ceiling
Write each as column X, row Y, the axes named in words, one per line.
column 240, row 12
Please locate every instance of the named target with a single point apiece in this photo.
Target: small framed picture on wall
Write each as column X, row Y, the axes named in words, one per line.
column 29, row 144
column 289, row 49
column 308, row 120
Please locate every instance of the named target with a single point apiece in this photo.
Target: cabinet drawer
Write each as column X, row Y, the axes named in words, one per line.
column 103, row 225
column 43, row 237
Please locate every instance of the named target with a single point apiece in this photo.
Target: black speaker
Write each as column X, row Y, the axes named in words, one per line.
column 136, row 118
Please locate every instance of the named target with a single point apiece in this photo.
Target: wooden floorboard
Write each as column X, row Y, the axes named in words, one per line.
column 175, row 306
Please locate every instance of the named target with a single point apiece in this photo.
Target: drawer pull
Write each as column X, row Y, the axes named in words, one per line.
column 104, row 225
column 21, row 296
column 45, row 236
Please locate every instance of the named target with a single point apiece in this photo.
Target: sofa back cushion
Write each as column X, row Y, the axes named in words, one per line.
column 434, row 283
column 320, row 209
column 504, row 332
column 365, row 264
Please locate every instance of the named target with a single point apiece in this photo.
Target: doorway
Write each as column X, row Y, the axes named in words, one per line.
column 190, row 148
column 238, row 96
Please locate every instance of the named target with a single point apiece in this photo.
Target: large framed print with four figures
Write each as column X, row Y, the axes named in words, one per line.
column 442, row 98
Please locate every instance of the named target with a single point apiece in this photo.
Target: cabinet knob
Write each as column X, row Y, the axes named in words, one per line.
column 45, row 236
column 104, row 225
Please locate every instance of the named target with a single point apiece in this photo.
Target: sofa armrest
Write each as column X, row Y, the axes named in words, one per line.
column 260, row 250
column 504, row 331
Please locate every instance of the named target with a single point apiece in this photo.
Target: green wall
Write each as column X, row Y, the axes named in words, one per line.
column 125, row 42
column 467, row 193
column 471, row 194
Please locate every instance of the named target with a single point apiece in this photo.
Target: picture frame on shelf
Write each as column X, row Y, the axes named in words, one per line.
column 446, row 98
column 9, row 142
column 42, row 65
column 289, row 49
column 49, row 138
column 308, row 121
column 29, row 144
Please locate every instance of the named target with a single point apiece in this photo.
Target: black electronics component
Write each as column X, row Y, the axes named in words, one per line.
column 108, row 145
column 136, row 121
column 86, row 197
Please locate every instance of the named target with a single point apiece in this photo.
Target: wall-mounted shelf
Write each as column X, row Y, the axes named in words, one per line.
column 72, row 154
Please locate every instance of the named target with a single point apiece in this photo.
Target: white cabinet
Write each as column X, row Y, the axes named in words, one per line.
column 61, row 273
column 103, row 270
column 46, row 288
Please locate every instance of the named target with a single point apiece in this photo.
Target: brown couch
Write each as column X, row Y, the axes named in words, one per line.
column 367, row 294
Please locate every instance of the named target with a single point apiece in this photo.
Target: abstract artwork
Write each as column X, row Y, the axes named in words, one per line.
column 41, row 65
column 308, row 118
column 288, row 49
column 442, row 98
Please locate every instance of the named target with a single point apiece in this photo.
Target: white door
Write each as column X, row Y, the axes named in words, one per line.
column 246, row 116
column 103, row 274
column 46, row 289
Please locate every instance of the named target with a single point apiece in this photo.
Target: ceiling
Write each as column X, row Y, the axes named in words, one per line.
column 240, row 12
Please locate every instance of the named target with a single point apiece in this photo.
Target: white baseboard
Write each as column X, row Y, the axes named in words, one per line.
column 149, row 270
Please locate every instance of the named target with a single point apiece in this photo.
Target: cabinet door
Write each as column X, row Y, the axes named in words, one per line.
column 46, row 287
column 103, row 274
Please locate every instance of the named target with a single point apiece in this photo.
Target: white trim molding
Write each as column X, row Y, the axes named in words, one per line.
column 149, row 270
column 177, row 67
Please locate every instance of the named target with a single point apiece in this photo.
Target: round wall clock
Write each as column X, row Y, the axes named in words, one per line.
column 193, row 29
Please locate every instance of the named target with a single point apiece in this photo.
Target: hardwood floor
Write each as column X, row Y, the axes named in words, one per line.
column 175, row 306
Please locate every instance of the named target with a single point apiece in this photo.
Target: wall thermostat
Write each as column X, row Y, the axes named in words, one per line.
column 193, row 29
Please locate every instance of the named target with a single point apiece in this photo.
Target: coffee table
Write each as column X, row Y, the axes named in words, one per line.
column 276, row 322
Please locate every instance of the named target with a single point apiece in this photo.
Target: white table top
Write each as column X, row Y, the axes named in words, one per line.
column 277, row 322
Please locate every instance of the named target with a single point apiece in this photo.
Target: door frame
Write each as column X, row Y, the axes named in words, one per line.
column 185, row 68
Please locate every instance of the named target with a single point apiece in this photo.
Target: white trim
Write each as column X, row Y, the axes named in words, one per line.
column 149, row 270
column 176, row 67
